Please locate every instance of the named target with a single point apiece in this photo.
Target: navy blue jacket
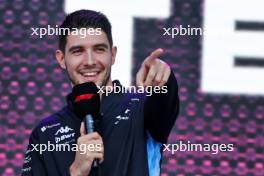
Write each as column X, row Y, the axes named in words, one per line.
column 133, row 128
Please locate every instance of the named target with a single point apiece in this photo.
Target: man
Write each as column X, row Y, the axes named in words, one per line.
column 133, row 126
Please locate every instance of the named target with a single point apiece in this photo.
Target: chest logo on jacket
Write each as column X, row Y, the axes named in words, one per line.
column 122, row 117
column 127, row 112
column 44, row 128
column 64, row 131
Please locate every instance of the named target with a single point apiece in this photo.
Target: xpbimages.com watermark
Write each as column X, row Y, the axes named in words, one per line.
column 188, row 146
column 83, row 32
column 49, row 30
column 183, row 30
column 172, row 148
column 148, row 90
column 82, row 148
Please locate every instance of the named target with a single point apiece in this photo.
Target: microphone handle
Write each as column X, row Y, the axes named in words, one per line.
column 89, row 127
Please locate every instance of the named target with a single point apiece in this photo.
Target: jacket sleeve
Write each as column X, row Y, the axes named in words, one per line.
column 161, row 111
column 33, row 162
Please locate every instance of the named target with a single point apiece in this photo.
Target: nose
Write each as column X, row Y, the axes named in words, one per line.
column 89, row 58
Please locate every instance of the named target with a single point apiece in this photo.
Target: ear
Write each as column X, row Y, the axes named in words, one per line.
column 114, row 51
column 60, row 59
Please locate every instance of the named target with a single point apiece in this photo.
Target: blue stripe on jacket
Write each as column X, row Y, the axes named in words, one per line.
column 154, row 156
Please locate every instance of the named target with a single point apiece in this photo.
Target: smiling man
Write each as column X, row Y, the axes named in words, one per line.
column 87, row 59
column 133, row 126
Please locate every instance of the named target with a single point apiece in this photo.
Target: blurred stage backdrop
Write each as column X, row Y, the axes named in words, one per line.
column 33, row 86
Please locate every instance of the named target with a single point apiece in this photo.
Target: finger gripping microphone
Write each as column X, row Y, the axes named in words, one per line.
column 86, row 105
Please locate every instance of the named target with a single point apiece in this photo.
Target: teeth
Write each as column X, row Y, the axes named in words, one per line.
column 90, row 74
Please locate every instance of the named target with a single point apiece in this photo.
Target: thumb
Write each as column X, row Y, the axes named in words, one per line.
column 82, row 129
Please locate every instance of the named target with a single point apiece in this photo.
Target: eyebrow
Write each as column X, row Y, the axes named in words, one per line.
column 101, row 45
column 75, row 47
column 81, row 47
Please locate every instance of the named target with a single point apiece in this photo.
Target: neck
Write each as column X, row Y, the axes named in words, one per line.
column 108, row 85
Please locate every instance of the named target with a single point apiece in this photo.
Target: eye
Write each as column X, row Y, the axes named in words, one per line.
column 77, row 51
column 100, row 49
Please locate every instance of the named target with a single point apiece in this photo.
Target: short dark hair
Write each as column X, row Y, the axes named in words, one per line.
column 85, row 19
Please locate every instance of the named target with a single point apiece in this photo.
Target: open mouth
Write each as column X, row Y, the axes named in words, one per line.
column 90, row 76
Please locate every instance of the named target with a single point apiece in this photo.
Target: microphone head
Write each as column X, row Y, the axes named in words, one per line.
column 86, row 100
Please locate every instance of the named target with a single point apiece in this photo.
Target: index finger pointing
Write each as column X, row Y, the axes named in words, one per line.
column 155, row 54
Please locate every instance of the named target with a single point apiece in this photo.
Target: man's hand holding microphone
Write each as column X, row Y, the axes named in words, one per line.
column 86, row 105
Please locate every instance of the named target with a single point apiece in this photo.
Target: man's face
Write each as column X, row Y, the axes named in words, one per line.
column 88, row 59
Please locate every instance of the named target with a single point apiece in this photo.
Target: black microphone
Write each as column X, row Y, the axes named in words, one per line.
column 86, row 105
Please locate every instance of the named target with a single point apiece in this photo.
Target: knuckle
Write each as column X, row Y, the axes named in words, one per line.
column 96, row 134
column 167, row 68
column 79, row 140
column 100, row 142
column 157, row 79
column 89, row 158
column 102, row 147
column 101, row 155
column 162, row 83
column 158, row 61
column 151, row 75
column 164, row 80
